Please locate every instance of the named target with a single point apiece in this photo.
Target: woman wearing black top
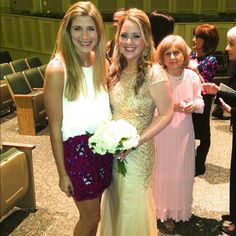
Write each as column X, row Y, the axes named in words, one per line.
column 228, row 103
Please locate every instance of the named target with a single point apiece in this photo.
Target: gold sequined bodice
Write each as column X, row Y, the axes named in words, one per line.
column 137, row 110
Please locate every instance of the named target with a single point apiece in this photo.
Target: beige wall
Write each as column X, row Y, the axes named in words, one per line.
column 24, row 36
column 109, row 6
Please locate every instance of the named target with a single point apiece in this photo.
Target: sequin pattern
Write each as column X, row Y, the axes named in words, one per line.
column 137, row 110
column 207, row 66
column 89, row 173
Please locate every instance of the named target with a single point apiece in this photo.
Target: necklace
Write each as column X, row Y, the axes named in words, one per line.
column 176, row 77
column 129, row 74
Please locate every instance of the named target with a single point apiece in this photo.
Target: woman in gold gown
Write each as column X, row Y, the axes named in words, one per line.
column 138, row 86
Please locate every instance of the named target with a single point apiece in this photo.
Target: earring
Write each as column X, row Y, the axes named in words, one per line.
column 145, row 52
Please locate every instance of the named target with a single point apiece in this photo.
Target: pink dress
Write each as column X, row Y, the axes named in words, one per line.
column 174, row 173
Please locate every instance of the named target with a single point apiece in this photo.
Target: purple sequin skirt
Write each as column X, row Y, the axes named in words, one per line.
column 89, row 173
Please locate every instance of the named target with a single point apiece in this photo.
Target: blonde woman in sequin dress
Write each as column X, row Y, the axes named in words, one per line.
column 138, row 86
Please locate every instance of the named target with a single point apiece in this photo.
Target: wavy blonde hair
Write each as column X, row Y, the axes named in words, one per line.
column 75, row 84
column 146, row 59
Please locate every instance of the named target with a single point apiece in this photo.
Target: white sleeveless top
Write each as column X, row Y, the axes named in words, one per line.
column 86, row 112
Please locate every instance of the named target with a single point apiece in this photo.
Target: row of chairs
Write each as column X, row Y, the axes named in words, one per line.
column 6, row 102
column 25, row 63
column 25, row 90
column 34, row 76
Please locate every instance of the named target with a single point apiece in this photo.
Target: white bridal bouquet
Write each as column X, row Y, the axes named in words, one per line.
column 114, row 137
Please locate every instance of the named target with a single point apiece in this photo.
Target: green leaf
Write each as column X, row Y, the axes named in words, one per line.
column 89, row 134
column 121, row 167
column 123, row 139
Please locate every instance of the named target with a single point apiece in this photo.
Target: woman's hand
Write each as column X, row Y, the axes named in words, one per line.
column 209, row 88
column 66, row 186
column 189, row 107
column 123, row 155
column 185, row 106
column 179, row 107
column 225, row 106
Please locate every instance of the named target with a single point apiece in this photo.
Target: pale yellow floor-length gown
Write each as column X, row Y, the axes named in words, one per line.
column 128, row 207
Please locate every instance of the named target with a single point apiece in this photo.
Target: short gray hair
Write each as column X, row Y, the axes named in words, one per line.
column 231, row 35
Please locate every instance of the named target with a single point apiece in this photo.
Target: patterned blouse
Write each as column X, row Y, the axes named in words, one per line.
column 207, row 66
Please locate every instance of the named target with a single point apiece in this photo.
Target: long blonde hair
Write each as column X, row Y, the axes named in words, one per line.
column 147, row 57
column 75, row 84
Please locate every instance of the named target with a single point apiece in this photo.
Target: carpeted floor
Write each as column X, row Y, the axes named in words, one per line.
column 57, row 215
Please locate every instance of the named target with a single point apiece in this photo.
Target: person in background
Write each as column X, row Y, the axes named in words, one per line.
column 162, row 25
column 218, row 112
column 174, row 173
column 228, row 103
column 232, row 74
column 137, row 86
column 232, row 57
column 203, row 61
column 77, row 101
column 110, row 44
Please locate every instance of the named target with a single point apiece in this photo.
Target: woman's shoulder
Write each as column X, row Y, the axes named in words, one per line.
column 210, row 58
column 189, row 73
column 55, row 65
column 55, row 71
column 56, row 62
column 157, row 74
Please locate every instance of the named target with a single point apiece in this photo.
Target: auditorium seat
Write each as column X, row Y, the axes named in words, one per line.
column 30, row 109
column 19, row 65
column 17, row 178
column 5, row 57
column 33, row 61
column 6, row 101
column 34, row 78
column 42, row 69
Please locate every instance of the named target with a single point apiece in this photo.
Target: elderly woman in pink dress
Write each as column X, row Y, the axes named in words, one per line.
column 174, row 174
